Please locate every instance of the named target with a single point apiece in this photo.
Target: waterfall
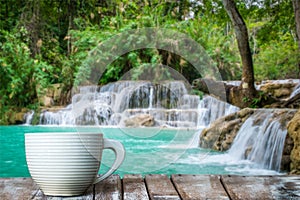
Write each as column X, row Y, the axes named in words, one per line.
column 170, row 103
column 260, row 140
column 28, row 117
column 211, row 109
column 151, row 98
column 296, row 91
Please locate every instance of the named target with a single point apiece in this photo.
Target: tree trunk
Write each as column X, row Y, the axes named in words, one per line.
column 296, row 5
column 31, row 19
column 71, row 14
column 247, row 84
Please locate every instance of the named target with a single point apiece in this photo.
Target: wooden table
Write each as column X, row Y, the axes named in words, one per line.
column 193, row 187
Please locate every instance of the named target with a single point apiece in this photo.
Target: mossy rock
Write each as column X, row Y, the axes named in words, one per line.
column 294, row 133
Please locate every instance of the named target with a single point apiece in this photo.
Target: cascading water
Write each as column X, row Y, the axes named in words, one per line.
column 169, row 103
column 28, row 117
column 212, row 109
column 260, row 140
column 296, row 91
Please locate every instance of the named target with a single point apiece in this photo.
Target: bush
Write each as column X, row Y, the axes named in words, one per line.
column 278, row 59
column 22, row 77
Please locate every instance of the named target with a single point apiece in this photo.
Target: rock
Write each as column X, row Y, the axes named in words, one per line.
column 52, row 109
column 56, row 92
column 220, row 135
column 278, row 90
column 234, row 94
column 282, row 93
column 218, row 89
column 244, row 113
column 294, row 133
column 50, row 96
column 140, row 120
column 16, row 116
column 19, row 117
column 293, row 102
column 286, row 117
column 285, row 163
column 248, row 151
column 46, row 101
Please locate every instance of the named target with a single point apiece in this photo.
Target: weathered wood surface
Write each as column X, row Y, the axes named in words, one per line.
column 195, row 187
column 158, row 187
column 17, row 188
column 110, row 188
column 262, row 187
column 134, row 187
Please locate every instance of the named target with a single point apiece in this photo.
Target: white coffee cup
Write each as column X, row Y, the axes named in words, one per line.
column 67, row 163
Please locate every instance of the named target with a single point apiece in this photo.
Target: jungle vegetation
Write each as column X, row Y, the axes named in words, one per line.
column 46, row 42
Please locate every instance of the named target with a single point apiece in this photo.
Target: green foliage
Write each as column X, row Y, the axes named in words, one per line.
column 16, row 71
column 277, row 59
column 257, row 101
column 10, row 12
column 23, row 78
column 45, row 42
column 219, row 44
column 198, row 93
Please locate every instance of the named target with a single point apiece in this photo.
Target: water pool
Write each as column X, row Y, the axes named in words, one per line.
column 148, row 151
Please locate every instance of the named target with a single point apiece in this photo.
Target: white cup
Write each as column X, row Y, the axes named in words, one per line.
column 66, row 164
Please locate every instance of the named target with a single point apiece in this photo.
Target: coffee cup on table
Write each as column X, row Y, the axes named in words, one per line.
column 67, row 163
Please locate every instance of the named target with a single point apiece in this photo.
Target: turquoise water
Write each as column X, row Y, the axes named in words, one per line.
column 148, row 151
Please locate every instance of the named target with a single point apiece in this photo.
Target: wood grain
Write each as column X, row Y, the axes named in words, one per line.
column 134, row 187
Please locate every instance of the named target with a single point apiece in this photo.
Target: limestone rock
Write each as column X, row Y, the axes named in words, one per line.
column 293, row 102
column 139, row 120
column 294, row 133
column 50, row 96
column 19, row 117
column 16, row 116
column 244, row 113
column 46, row 101
column 285, row 116
column 220, row 135
column 52, row 109
column 278, row 90
column 56, row 88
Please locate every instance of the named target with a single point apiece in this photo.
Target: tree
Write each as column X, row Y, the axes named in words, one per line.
column 296, row 5
column 241, row 32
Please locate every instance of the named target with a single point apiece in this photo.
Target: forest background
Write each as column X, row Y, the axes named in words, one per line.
column 45, row 42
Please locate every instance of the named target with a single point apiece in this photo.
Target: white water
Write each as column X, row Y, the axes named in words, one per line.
column 28, row 117
column 296, row 91
column 260, row 140
column 257, row 148
column 169, row 103
column 212, row 109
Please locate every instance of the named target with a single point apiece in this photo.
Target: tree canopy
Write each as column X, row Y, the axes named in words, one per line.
column 45, row 42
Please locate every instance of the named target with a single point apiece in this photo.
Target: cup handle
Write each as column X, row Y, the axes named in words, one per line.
column 119, row 151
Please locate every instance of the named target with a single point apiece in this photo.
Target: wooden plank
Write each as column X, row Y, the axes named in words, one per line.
column 134, row 187
column 262, row 187
column 160, row 187
column 109, row 188
column 17, row 188
column 285, row 187
column 247, row 187
column 89, row 195
column 195, row 187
